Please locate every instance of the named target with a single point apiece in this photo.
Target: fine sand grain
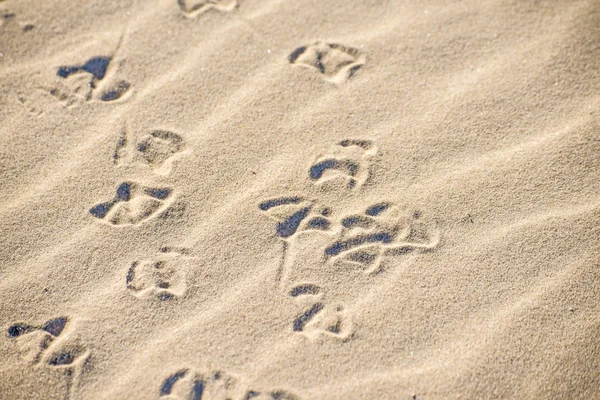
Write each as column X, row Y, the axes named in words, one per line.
column 222, row 199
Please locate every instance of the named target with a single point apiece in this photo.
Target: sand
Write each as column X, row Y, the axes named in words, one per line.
column 299, row 199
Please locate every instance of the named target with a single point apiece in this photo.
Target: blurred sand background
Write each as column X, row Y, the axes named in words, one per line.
column 299, row 199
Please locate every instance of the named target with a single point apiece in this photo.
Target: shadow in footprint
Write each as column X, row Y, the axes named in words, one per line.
column 319, row 319
column 133, row 204
column 96, row 66
column 289, row 226
column 188, row 384
column 163, row 277
column 382, row 229
column 267, row 205
column 377, row 209
column 158, row 146
column 167, row 386
column 193, row 8
column 348, row 161
column 302, row 320
column 61, row 359
column 345, row 245
column 305, row 289
column 19, row 329
column 96, row 69
column 335, row 62
column 294, row 215
column 116, row 92
column 54, row 327
column 217, row 385
column 157, row 149
column 316, row 171
column 45, row 345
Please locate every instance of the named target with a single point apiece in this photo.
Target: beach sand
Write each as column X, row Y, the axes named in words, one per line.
column 300, row 199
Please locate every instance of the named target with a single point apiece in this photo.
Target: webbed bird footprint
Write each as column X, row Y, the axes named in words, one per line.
column 214, row 385
column 348, row 164
column 382, row 229
column 133, row 204
column 159, row 146
column 188, row 384
column 84, row 79
column 47, row 345
column 193, row 8
column 357, row 239
column 335, row 62
column 295, row 214
column 319, row 318
column 34, row 340
column 37, row 343
column 157, row 149
column 162, row 276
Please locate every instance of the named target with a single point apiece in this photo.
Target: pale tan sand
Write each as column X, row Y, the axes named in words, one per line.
column 448, row 244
